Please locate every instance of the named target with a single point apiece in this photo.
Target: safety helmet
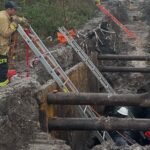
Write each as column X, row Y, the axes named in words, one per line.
column 123, row 111
column 10, row 4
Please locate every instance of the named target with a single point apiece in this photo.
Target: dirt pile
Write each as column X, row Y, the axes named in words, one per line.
column 121, row 7
column 18, row 114
column 145, row 8
column 110, row 146
column 44, row 141
column 19, row 119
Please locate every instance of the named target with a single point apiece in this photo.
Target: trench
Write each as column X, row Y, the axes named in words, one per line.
column 115, row 43
column 110, row 41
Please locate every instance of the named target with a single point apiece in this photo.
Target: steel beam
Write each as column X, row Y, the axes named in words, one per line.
column 102, row 123
column 99, row 99
column 124, row 57
column 123, row 69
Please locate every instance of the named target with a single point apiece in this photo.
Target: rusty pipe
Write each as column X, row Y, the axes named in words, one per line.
column 123, row 69
column 99, row 99
column 102, row 123
column 124, row 57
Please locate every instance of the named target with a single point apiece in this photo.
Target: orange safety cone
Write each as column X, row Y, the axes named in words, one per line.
column 61, row 38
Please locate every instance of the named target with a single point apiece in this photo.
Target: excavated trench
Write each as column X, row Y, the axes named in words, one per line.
column 19, row 111
column 110, row 40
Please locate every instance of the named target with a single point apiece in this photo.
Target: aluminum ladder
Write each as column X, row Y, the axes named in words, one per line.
column 85, row 58
column 55, row 70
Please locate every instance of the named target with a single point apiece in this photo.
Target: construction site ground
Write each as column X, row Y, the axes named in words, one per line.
column 19, row 110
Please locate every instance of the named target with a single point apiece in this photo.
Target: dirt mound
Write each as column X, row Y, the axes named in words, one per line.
column 145, row 8
column 18, row 114
column 117, row 6
column 110, row 146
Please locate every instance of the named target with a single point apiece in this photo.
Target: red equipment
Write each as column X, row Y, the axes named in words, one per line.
column 11, row 73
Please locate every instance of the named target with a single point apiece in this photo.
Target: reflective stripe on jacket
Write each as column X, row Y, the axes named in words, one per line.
column 2, row 61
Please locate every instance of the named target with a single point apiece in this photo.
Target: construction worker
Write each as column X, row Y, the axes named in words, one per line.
column 8, row 25
column 122, row 137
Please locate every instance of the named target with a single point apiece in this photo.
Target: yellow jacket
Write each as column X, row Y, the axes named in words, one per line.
column 5, row 32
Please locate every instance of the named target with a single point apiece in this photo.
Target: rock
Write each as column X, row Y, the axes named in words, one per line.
column 44, row 141
column 110, row 146
column 18, row 114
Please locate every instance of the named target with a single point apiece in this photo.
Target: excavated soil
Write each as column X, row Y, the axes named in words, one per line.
column 18, row 114
column 19, row 125
column 110, row 146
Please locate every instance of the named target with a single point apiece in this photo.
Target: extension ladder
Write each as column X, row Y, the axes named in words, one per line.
column 85, row 58
column 55, row 70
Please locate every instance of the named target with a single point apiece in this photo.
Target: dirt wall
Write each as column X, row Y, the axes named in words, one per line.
column 18, row 114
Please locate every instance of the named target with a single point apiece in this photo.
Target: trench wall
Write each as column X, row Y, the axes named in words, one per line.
column 82, row 79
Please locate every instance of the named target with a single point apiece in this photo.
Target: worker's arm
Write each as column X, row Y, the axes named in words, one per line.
column 20, row 20
column 6, row 29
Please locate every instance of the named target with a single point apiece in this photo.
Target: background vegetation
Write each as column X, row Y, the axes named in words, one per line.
column 47, row 15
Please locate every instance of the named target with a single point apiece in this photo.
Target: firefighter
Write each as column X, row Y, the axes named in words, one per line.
column 8, row 26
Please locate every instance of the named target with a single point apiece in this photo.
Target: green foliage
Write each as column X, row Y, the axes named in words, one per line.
column 47, row 15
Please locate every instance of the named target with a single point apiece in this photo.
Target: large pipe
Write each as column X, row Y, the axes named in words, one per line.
column 124, row 57
column 102, row 123
column 100, row 99
column 123, row 69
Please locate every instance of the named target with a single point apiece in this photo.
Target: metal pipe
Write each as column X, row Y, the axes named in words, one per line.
column 102, row 123
column 123, row 69
column 142, row 100
column 124, row 57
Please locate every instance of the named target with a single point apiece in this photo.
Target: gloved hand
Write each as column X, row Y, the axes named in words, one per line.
column 20, row 20
column 97, row 2
column 13, row 26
